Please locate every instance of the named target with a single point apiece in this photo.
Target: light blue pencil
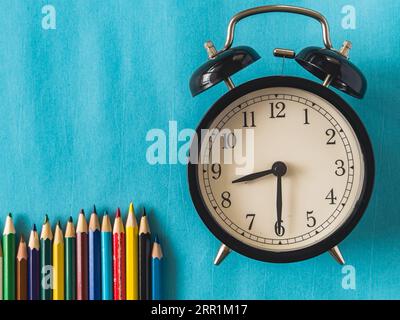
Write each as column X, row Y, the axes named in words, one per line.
column 156, row 270
column 94, row 257
column 106, row 258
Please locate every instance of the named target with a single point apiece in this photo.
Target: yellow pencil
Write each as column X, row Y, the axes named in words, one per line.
column 58, row 264
column 131, row 256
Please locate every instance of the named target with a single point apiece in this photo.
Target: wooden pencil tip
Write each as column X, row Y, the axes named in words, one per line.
column 70, row 219
column 21, row 239
column 59, row 223
column 82, row 212
column 144, row 212
column 34, row 227
column 10, row 215
column 118, row 213
column 46, row 218
column 156, row 240
column 94, row 209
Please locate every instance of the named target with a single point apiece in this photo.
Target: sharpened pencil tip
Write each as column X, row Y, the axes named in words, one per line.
column 94, row 209
column 105, row 213
column 156, row 240
column 70, row 219
column 46, row 218
column 82, row 212
column 118, row 213
column 59, row 223
column 34, row 227
column 144, row 211
column 10, row 215
column 21, row 239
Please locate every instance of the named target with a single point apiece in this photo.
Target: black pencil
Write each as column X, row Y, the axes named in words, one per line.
column 144, row 258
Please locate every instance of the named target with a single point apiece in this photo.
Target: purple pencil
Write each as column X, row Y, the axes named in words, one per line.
column 34, row 265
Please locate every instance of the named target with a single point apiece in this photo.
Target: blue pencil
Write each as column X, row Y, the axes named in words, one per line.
column 94, row 257
column 156, row 269
column 106, row 258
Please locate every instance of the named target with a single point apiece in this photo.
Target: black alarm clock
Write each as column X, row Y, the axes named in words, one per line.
column 312, row 170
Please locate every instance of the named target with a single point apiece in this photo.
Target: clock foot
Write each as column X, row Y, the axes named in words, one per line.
column 337, row 255
column 222, row 254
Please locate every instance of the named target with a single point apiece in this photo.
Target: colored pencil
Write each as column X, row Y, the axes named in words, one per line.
column 119, row 282
column 33, row 265
column 131, row 255
column 70, row 261
column 156, row 267
column 22, row 271
column 94, row 257
column 9, row 259
column 46, row 239
column 106, row 258
column 144, row 258
column 82, row 258
column 1, row 272
column 58, row 264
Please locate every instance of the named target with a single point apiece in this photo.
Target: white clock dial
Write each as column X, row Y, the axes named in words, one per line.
column 322, row 184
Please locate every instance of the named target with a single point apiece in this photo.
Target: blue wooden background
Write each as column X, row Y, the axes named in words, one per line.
column 77, row 102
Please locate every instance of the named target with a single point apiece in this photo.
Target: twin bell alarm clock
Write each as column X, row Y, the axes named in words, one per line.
column 312, row 166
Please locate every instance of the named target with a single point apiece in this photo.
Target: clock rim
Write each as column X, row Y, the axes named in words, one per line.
column 360, row 206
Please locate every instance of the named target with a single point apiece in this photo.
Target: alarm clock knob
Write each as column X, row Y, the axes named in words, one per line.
column 334, row 68
column 221, row 66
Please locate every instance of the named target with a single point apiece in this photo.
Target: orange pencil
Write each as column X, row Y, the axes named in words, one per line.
column 22, row 271
column 119, row 258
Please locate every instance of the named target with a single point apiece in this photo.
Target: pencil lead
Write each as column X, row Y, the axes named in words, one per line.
column 156, row 240
column 82, row 212
column 70, row 219
column 105, row 213
column 46, row 218
column 34, row 227
column 21, row 239
column 144, row 212
column 59, row 223
column 10, row 214
column 118, row 213
column 94, row 209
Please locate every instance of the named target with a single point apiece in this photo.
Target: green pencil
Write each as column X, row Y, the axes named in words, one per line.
column 70, row 261
column 46, row 238
column 9, row 259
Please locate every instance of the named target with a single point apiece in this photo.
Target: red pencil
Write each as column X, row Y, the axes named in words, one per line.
column 82, row 288
column 119, row 258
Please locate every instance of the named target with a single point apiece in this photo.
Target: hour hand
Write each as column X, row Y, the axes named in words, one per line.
column 254, row 176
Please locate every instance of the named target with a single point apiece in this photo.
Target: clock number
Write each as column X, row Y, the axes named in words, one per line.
column 331, row 197
column 226, row 201
column 311, row 221
column 245, row 119
column 340, row 170
column 306, row 116
column 216, row 169
column 280, row 108
column 279, row 229
column 331, row 134
column 251, row 216
column 229, row 140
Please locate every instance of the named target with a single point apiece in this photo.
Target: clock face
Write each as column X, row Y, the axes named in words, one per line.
column 304, row 177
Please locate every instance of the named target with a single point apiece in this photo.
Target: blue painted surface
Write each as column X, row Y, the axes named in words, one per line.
column 76, row 104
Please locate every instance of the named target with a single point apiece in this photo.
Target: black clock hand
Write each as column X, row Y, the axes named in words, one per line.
column 278, row 168
column 279, row 230
column 254, row 176
column 279, row 171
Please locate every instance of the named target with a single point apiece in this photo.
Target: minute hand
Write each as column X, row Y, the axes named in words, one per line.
column 253, row 176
